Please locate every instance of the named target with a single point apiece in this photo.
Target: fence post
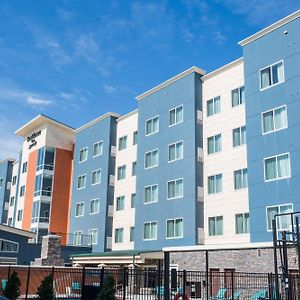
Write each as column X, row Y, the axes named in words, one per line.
column 27, row 283
column 206, row 275
column 232, row 285
column 159, row 280
column 124, row 283
column 184, row 284
column 83, row 283
column 8, row 274
column 101, row 277
column 166, row 275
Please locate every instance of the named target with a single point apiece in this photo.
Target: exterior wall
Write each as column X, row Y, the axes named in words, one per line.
column 125, row 218
column 187, row 92
column 280, row 44
column 229, row 202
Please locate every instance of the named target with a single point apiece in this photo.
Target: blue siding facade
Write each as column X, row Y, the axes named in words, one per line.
column 281, row 44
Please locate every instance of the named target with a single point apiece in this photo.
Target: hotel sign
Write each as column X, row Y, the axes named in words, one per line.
column 32, row 139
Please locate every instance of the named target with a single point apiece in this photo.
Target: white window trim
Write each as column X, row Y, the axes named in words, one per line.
column 276, row 205
column 274, row 130
column 215, row 152
column 92, row 177
column 119, row 167
column 77, row 182
column 149, row 222
column 243, row 188
column 89, row 233
column 101, row 150
column 146, row 168
column 81, row 161
column 94, row 213
column 213, row 99
column 275, row 156
column 181, row 105
column 13, row 242
column 77, row 232
column 146, row 126
column 215, row 175
column 240, row 131
column 270, row 66
column 79, row 203
column 118, row 228
column 241, row 213
column 122, row 196
column 240, row 104
column 122, row 137
column 144, row 193
column 181, row 178
column 175, row 143
column 177, row 237
column 218, row 236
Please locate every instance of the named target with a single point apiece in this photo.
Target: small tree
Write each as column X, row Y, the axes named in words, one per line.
column 45, row 290
column 107, row 291
column 12, row 288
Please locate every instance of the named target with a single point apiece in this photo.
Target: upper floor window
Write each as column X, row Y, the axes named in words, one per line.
column 134, row 142
column 152, row 125
column 22, row 190
column 95, row 206
column 20, row 215
column 277, row 167
column 43, row 185
column 8, row 246
column 14, row 180
column 215, row 226
column 214, row 144
column 81, row 182
column 120, row 203
column 79, row 210
column 175, row 189
column 131, row 238
column 274, row 119
column 45, row 159
column 176, row 115
column 9, row 222
column 151, row 159
column 240, row 179
column 151, row 193
column 121, row 172
column 119, row 235
column 282, row 222
column 122, row 142
column 83, row 154
column 238, row 96
column 133, row 170
column 12, row 201
column 176, row 151
column 93, row 236
column 1, row 182
column 96, row 177
column 150, row 230
column 271, row 75
column 215, row 184
column 98, row 149
column 132, row 202
column 242, row 223
column 239, row 136
column 175, row 228
column 213, row 106
column 24, row 167
column 77, row 238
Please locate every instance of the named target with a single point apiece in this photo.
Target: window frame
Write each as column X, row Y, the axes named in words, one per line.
column 9, row 241
column 101, row 141
column 115, row 239
column 175, row 108
column 90, row 236
column 83, row 210
column 93, row 200
column 243, row 181
column 81, row 161
column 273, row 110
column 240, row 137
column 214, row 138
column 175, row 180
column 215, row 176
column 121, row 139
column 152, row 166
column 119, row 168
column 150, row 186
column 175, row 237
column 150, row 222
column 215, row 221
column 157, row 116
column 213, row 101
column 270, row 66
column 244, row 219
column 239, row 92
column 276, row 156
column 92, row 177
column 123, row 200
column 83, row 175
column 278, row 206
column 175, row 143
column 78, row 233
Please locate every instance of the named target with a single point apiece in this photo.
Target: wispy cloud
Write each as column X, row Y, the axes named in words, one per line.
column 65, row 15
column 38, row 101
column 109, row 89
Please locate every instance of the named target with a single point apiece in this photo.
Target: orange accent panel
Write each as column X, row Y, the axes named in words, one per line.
column 59, row 215
column 29, row 190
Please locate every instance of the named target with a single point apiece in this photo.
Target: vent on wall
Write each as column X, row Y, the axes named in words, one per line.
column 8, row 260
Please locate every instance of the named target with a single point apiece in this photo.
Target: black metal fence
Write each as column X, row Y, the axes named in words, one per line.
column 150, row 284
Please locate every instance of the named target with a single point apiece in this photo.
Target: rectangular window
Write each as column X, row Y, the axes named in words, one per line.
column 122, row 142
column 43, row 185
column 240, row 179
column 175, row 228
column 215, row 184
column 9, row 246
column 22, row 190
column 98, row 149
column 14, row 180
column 93, row 237
column 20, row 215
column 132, row 202
column 9, row 222
column 131, row 234
column 176, row 115
column 81, row 182
column 242, row 223
column 24, row 167
column 78, row 237
column 83, row 154
column 238, row 96
column 79, row 209
column 133, row 170
column 151, row 194
column 12, row 201
column 274, row 119
column 239, row 136
column 45, row 159
column 150, row 231
column 121, row 172
column 175, row 189
column 152, row 126
column 135, row 138
column 119, row 235
column 176, row 151
column 213, row 106
column 96, row 177
column 282, row 222
column 214, row 144
column 271, row 75
column 120, row 203
column 95, row 206
column 1, row 182
column 151, row 159
column 277, row 167
column 215, row 225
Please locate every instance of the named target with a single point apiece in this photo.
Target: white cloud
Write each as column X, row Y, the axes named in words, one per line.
column 109, row 89
column 38, row 101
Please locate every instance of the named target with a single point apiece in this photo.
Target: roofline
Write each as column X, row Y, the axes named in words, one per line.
column 7, row 160
column 270, row 28
column 170, row 81
column 10, row 229
column 108, row 114
column 127, row 115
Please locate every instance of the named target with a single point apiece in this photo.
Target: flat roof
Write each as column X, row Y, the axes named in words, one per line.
column 270, row 28
column 131, row 113
column 18, row 231
column 6, row 160
column 170, row 81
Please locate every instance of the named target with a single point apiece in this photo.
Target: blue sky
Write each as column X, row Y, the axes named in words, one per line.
column 75, row 60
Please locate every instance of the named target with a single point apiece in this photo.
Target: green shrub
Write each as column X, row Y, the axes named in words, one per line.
column 107, row 291
column 12, row 288
column 45, row 290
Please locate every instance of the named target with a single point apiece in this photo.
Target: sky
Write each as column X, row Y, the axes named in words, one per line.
column 76, row 60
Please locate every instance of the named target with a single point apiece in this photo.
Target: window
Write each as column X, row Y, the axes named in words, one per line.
column 175, row 189
column 271, row 75
column 1, row 182
column 12, row 201
column 150, row 231
column 119, row 235
column 93, row 237
column 133, row 170
column 24, row 167
column 79, row 209
column 215, row 225
column 96, row 177
column 175, row 228
column 121, row 172
column 283, row 222
column 45, row 159
column 95, row 206
column 122, row 142
column 43, row 185
column 120, row 203
column 240, row 179
column 152, row 125
column 78, row 237
column 176, row 115
column 132, row 202
column 81, row 182
column 151, row 194
column 274, row 119
column 242, row 223
column 135, row 138
column 22, row 190
column 277, row 167
column 215, row 184
column 151, row 159
column 238, row 96
column 98, row 149
column 214, row 144
column 8, row 246
column 131, row 234
column 14, row 180
column 83, row 154
column 9, row 222
column 213, row 106
column 239, row 136
column 20, row 215
column 176, row 151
